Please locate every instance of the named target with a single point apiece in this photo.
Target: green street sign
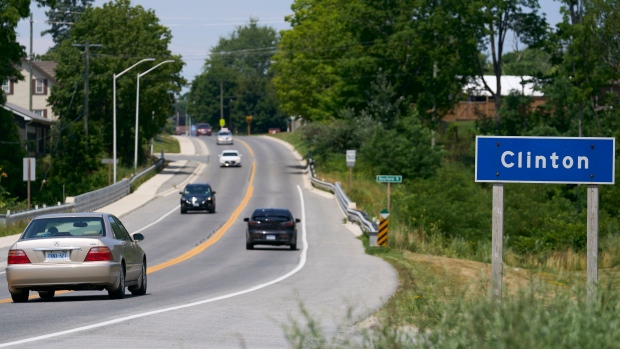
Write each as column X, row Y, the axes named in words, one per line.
column 389, row 179
column 384, row 214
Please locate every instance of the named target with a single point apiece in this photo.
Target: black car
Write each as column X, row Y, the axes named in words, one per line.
column 199, row 197
column 271, row 226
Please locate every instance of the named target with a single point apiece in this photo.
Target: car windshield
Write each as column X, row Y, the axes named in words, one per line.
column 197, row 189
column 65, row 226
column 225, row 133
column 204, row 126
column 230, row 153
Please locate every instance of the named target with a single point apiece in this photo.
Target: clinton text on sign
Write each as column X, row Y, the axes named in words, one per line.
column 545, row 160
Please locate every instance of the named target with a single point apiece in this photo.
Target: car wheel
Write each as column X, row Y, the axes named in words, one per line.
column 249, row 246
column 118, row 292
column 47, row 294
column 212, row 210
column 183, row 211
column 140, row 289
column 20, row 297
column 293, row 247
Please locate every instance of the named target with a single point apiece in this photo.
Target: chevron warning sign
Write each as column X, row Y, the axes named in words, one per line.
column 383, row 228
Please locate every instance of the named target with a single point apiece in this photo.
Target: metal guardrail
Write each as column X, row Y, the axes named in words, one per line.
column 353, row 215
column 85, row 202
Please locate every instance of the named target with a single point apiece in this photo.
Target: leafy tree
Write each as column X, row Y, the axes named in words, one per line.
column 62, row 16
column 496, row 18
column 529, row 62
column 11, row 154
column 336, row 49
column 236, row 81
column 11, row 52
column 127, row 34
column 405, row 149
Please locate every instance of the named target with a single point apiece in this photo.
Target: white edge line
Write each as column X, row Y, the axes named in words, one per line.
column 300, row 265
column 157, row 221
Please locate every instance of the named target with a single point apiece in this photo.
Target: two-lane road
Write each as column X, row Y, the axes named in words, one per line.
column 205, row 289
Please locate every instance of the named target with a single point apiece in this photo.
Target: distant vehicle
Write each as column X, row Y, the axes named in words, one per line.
column 271, row 226
column 230, row 158
column 203, row 129
column 77, row 252
column 224, row 136
column 197, row 197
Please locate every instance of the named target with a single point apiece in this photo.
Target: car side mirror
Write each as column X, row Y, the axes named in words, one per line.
column 181, row 192
column 297, row 220
column 138, row 237
column 213, row 192
column 246, row 219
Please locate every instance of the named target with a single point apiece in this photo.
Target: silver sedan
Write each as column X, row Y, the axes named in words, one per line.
column 76, row 251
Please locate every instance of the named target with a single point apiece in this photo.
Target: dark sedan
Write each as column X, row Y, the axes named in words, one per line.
column 198, row 197
column 271, row 226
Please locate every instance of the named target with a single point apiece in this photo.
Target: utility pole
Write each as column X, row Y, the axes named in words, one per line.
column 222, row 100
column 30, row 80
column 87, row 45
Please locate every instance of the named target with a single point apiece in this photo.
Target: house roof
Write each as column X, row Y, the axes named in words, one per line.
column 521, row 84
column 44, row 67
column 25, row 113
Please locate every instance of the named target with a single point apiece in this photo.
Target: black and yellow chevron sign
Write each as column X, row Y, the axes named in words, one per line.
column 383, row 228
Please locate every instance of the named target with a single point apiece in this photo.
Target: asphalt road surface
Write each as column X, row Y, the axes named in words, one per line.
column 205, row 290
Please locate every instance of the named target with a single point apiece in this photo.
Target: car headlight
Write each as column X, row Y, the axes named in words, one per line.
column 209, row 199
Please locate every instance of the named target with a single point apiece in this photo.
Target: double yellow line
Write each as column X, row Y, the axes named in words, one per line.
column 218, row 234
column 203, row 246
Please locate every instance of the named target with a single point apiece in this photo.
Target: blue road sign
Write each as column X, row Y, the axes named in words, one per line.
column 545, row 160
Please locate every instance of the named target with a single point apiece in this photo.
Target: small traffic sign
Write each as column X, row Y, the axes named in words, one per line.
column 389, row 179
column 222, row 122
column 351, row 154
column 384, row 213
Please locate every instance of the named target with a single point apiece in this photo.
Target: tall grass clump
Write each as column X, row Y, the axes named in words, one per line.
column 537, row 317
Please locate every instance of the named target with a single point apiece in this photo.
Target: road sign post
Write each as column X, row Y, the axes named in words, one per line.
column 29, row 174
column 248, row 119
column 389, row 179
column 560, row 160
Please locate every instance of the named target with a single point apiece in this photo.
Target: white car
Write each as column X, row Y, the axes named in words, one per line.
column 224, row 137
column 230, row 158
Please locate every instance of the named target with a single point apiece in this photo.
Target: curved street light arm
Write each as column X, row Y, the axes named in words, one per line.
column 135, row 153
column 114, row 110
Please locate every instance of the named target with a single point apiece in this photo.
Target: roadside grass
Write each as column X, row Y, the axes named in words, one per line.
column 166, row 143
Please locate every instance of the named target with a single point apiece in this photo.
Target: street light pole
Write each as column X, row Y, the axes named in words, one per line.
column 135, row 154
column 114, row 110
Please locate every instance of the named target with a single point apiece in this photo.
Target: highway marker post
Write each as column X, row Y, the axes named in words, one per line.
column 558, row 160
column 383, row 228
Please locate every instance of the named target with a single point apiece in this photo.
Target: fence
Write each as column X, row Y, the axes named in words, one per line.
column 353, row 215
column 85, row 202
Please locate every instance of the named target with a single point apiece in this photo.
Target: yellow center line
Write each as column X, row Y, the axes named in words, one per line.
column 203, row 246
column 218, row 234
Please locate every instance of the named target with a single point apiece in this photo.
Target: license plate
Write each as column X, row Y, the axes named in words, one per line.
column 271, row 237
column 56, row 256
column 196, row 204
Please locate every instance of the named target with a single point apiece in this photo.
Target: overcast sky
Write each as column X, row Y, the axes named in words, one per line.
column 197, row 25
